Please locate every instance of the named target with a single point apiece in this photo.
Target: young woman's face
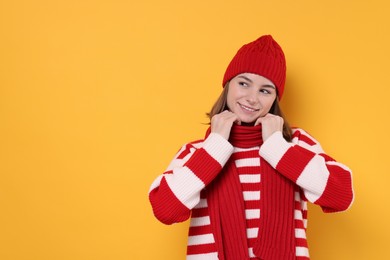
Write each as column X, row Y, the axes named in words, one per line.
column 250, row 96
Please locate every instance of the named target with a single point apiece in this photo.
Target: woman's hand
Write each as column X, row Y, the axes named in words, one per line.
column 270, row 124
column 222, row 123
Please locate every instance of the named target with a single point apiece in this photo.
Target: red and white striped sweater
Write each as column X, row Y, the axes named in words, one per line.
column 178, row 193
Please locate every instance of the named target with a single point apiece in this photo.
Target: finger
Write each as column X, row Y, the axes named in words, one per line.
column 269, row 115
column 258, row 121
column 226, row 114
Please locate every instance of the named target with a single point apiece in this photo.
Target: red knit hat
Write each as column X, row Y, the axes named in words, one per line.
column 264, row 57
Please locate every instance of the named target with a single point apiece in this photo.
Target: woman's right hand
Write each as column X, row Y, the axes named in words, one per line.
column 222, row 123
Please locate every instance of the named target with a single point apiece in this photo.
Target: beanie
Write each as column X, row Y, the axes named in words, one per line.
column 263, row 57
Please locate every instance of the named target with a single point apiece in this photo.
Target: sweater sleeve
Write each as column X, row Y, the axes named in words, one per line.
column 324, row 181
column 174, row 193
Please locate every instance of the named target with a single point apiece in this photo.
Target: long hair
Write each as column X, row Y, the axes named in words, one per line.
column 221, row 104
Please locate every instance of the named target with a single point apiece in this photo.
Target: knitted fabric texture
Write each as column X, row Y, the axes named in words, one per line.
column 276, row 228
column 263, row 57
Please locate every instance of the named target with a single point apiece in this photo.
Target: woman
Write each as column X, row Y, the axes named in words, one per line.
column 247, row 183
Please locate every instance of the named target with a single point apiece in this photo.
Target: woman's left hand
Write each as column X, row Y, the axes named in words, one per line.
column 270, row 124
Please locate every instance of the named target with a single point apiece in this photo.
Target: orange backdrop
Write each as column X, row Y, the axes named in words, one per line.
column 97, row 96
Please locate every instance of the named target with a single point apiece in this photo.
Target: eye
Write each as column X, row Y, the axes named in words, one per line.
column 265, row 91
column 243, row 83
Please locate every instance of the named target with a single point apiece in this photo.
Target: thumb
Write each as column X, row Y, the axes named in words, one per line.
column 259, row 121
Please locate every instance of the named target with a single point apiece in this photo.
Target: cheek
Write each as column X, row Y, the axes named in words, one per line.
column 228, row 101
column 231, row 99
column 267, row 106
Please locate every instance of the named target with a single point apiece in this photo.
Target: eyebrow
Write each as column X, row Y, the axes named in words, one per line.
column 251, row 81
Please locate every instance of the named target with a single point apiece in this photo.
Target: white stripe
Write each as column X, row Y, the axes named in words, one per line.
column 304, row 205
column 304, row 223
column 315, row 148
column 251, row 254
column 156, row 183
column 200, row 239
column 298, row 214
column 249, row 178
column 201, row 221
column 185, row 185
column 247, row 162
column 314, row 178
column 252, row 213
column 252, row 232
column 301, row 251
column 175, row 163
column 274, row 148
column 208, row 256
column 344, row 167
column 218, row 148
column 202, row 204
column 251, row 195
column 197, row 145
column 300, row 233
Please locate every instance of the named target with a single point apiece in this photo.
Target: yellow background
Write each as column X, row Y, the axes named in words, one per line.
column 97, row 96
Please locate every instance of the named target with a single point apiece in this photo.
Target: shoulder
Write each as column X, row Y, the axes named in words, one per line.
column 189, row 148
column 184, row 153
column 214, row 146
column 306, row 140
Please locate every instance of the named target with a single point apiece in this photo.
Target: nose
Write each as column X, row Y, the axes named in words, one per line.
column 252, row 97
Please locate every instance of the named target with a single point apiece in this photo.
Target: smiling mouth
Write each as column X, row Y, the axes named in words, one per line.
column 248, row 108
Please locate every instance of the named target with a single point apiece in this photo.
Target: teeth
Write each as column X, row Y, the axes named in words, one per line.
column 247, row 108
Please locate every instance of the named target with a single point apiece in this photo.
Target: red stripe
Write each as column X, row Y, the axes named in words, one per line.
column 250, row 186
column 247, row 154
column 167, row 207
column 299, row 224
column 201, row 249
column 200, row 212
column 185, row 152
column 304, row 138
column 202, row 230
column 204, row 166
column 294, row 162
column 337, row 195
column 249, row 170
column 252, row 222
column 327, row 157
column 301, row 242
column 252, row 204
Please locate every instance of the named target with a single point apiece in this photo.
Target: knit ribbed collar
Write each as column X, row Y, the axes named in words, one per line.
column 245, row 136
column 242, row 136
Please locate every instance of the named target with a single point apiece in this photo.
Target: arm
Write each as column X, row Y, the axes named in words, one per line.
column 324, row 181
column 174, row 193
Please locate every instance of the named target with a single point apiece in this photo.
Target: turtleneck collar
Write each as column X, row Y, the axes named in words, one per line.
column 243, row 136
